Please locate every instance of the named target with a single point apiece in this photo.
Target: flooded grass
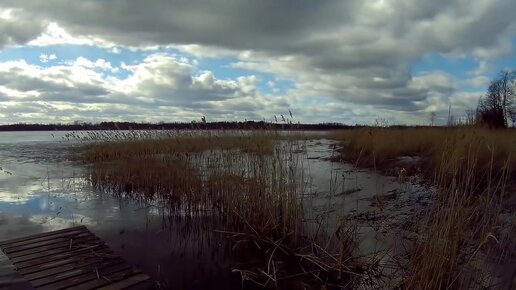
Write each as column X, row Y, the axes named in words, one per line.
column 252, row 181
column 255, row 189
column 461, row 237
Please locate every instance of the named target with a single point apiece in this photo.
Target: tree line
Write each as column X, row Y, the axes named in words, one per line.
column 203, row 125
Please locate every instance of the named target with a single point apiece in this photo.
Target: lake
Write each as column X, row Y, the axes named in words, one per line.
column 41, row 190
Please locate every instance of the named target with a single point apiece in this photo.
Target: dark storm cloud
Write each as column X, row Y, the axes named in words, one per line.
column 4, row 97
column 287, row 27
column 17, row 27
column 50, row 88
column 229, row 23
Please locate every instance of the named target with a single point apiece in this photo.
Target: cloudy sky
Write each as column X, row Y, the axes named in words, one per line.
column 351, row 61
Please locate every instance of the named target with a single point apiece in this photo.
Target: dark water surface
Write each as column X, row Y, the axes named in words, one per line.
column 42, row 190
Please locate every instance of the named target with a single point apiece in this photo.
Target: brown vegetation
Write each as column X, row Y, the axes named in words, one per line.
column 462, row 234
column 382, row 147
column 253, row 181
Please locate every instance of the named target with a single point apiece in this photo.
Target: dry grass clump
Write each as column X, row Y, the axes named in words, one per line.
column 150, row 178
column 254, row 182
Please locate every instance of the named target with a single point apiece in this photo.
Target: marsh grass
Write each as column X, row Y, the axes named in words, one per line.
column 114, row 145
column 461, row 234
column 461, row 228
column 382, row 147
column 253, row 181
column 242, row 176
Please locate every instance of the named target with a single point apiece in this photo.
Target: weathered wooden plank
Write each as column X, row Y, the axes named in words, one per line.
column 75, row 281
column 79, row 258
column 56, row 251
column 9, row 278
column 35, row 244
column 66, row 259
column 45, row 238
column 91, row 249
column 77, row 264
column 53, row 233
column 76, row 273
column 69, row 244
column 127, row 282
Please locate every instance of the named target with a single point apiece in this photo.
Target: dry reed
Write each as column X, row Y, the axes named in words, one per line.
column 461, row 235
column 254, row 181
column 382, row 147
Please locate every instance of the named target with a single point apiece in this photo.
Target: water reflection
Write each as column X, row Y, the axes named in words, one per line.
column 41, row 191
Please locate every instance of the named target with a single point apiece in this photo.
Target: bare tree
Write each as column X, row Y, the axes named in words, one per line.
column 499, row 104
column 470, row 116
column 452, row 121
column 432, row 118
column 381, row 122
column 507, row 86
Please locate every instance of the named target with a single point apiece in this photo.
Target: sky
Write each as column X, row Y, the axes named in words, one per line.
column 349, row 61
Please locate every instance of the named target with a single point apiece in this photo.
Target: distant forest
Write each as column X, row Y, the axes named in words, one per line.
column 248, row 125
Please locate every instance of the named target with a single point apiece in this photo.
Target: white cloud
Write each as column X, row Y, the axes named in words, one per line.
column 47, row 57
column 160, row 87
column 203, row 51
column 435, row 81
column 54, row 34
column 98, row 64
column 479, row 81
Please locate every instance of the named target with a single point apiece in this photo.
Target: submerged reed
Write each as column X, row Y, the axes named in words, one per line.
column 253, row 181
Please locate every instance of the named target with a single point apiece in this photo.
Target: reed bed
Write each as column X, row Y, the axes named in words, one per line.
column 462, row 235
column 113, row 145
column 253, row 181
column 382, row 147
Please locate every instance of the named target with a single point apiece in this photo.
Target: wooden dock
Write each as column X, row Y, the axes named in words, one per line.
column 72, row 258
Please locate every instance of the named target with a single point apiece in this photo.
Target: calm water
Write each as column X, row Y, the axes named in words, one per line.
column 41, row 190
